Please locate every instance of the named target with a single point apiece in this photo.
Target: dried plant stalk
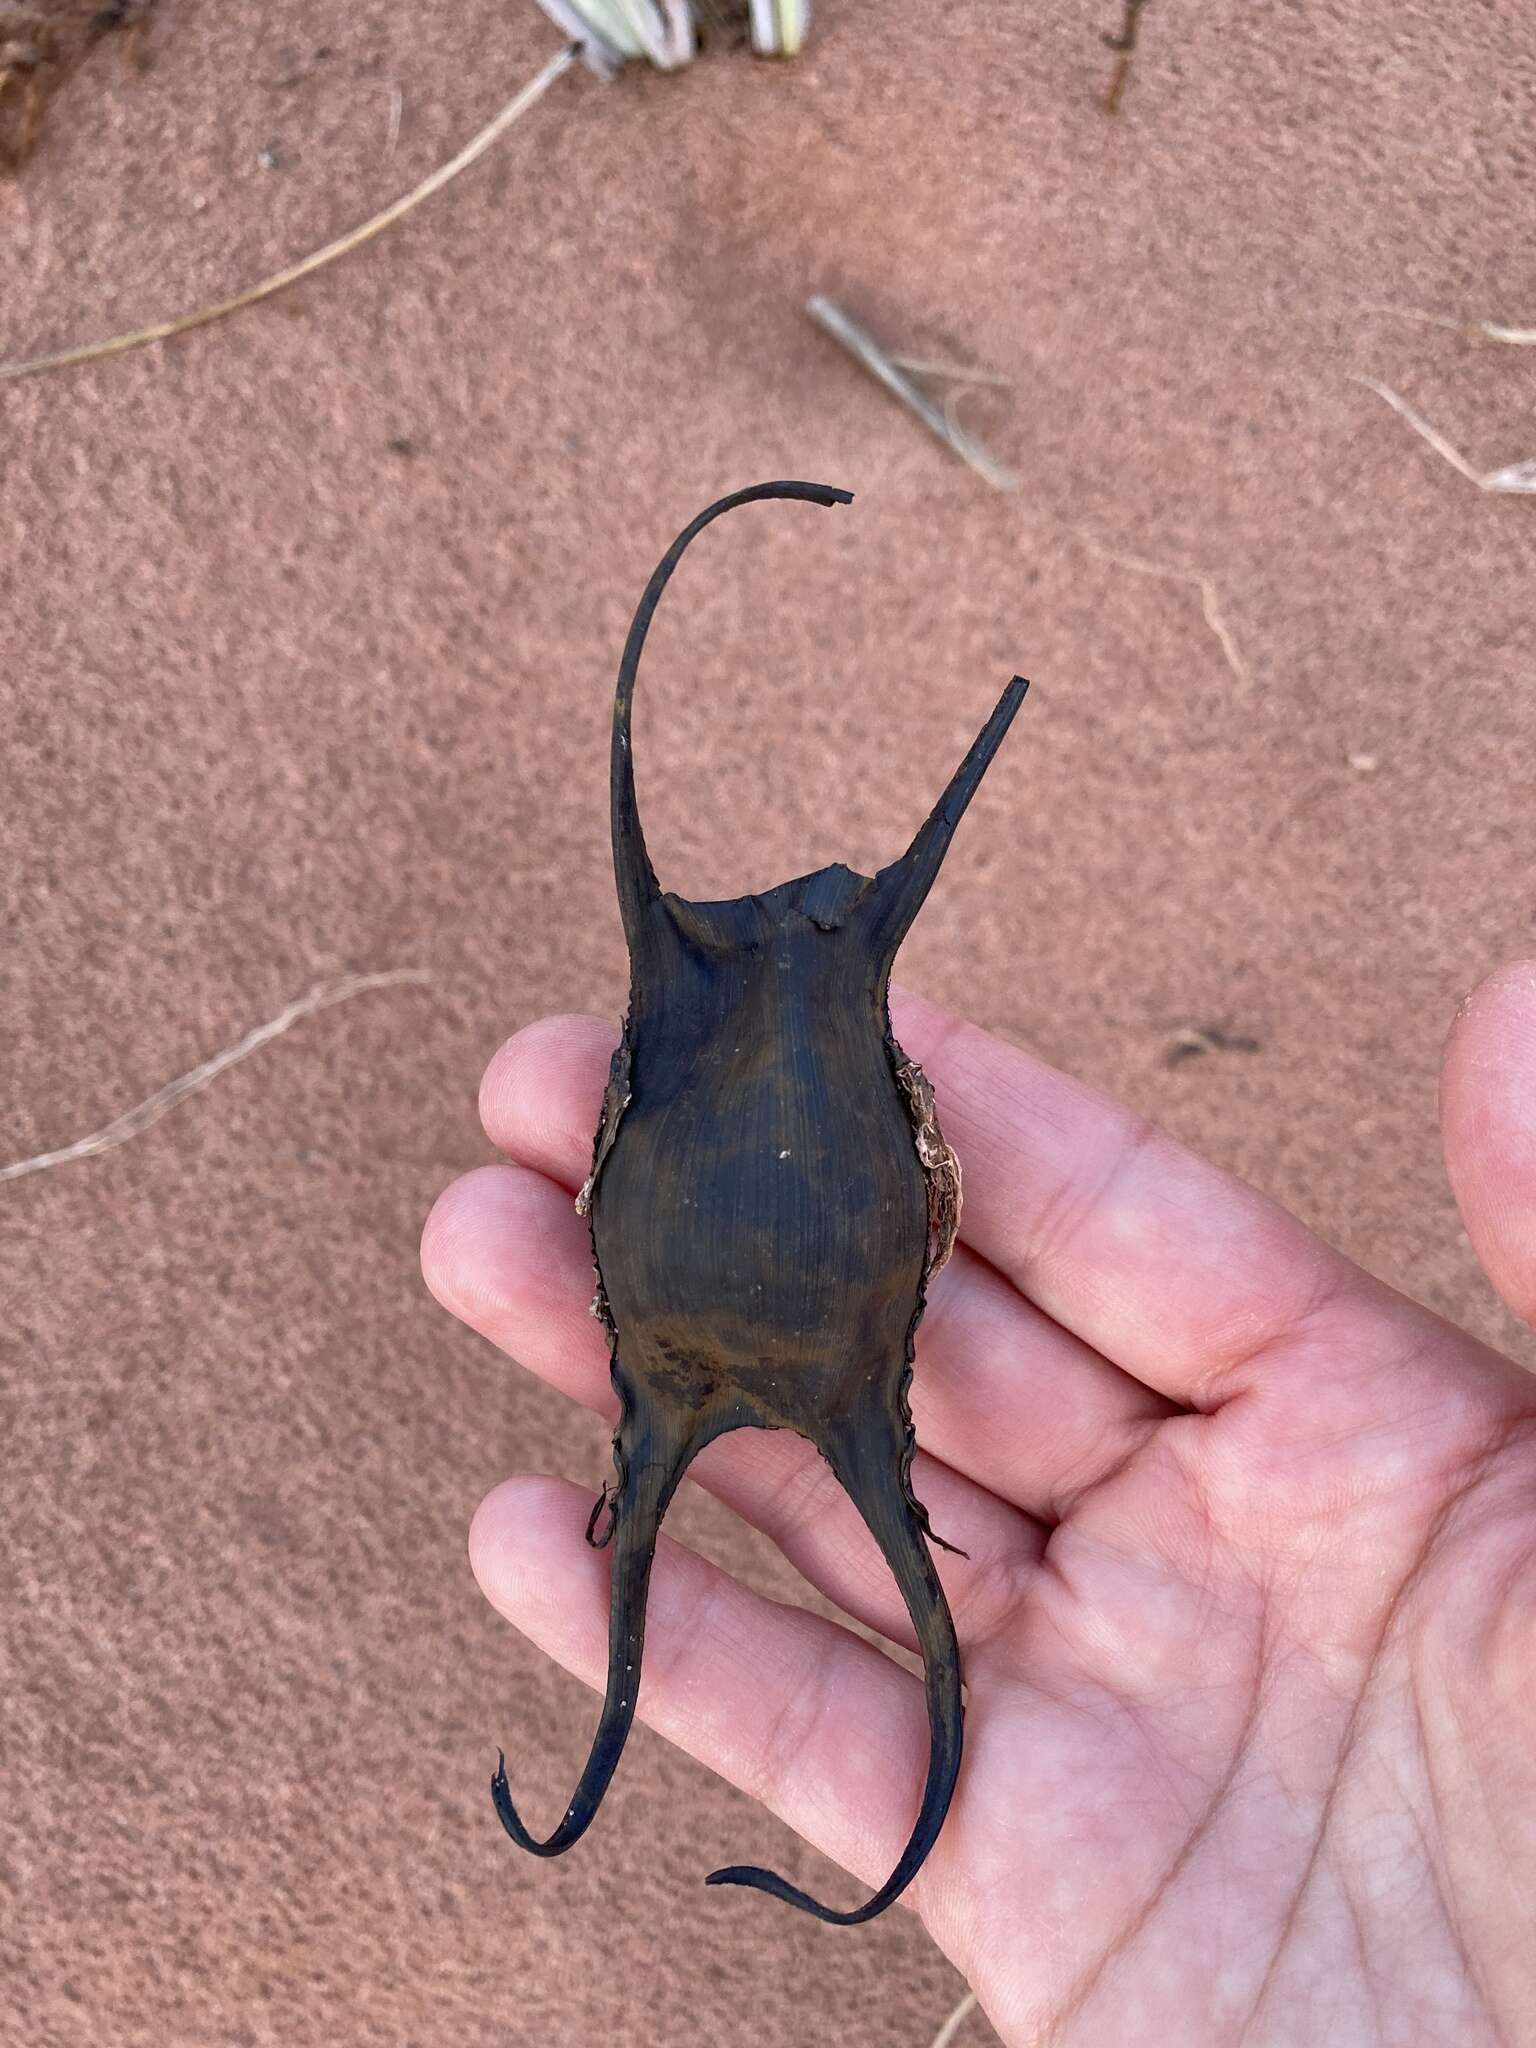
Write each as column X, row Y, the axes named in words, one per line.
column 955, row 2022
column 1515, row 479
column 1124, row 46
column 884, row 367
column 163, row 330
column 1168, row 572
column 150, row 1111
column 1480, row 330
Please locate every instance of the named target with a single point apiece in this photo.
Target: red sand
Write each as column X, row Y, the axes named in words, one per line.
column 283, row 700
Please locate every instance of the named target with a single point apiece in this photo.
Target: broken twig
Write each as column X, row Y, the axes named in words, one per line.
column 150, row 1111
column 1124, row 46
column 1516, row 337
column 162, row 330
column 1515, row 478
column 866, row 350
column 1191, row 1040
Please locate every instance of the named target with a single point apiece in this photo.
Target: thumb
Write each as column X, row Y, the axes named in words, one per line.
column 1488, row 1127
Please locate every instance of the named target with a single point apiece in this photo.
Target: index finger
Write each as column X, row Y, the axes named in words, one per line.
column 1180, row 1274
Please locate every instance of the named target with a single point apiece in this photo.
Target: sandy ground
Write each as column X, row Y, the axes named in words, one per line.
column 310, row 622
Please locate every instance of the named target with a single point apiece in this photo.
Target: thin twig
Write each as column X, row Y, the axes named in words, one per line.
column 150, row 1111
column 866, row 350
column 1124, row 46
column 93, row 351
column 396, row 109
column 1515, row 478
column 1168, row 572
column 956, row 2021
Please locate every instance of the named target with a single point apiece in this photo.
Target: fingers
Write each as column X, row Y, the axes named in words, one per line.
column 1488, row 1122
column 1187, row 1277
column 1020, row 1404
column 1145, row 1253
column 505, row 1251
column 1170, row 1267
column 1182, row 1274
column 1002, row 1393
column 818, row 1725
column 540, row 1097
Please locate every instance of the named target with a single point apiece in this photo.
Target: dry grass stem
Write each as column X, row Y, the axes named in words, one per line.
column 955, row 2022
column 94, row 351
column 954, row 373
column 1514, row 479
column 1210, row 607
column 883, row 367
column 150, row 1111
column 1485, row 330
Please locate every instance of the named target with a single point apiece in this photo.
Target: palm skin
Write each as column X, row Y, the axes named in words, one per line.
column 1249, row 1611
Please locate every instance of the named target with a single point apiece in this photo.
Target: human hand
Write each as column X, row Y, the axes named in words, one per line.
column 1249, row 1615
